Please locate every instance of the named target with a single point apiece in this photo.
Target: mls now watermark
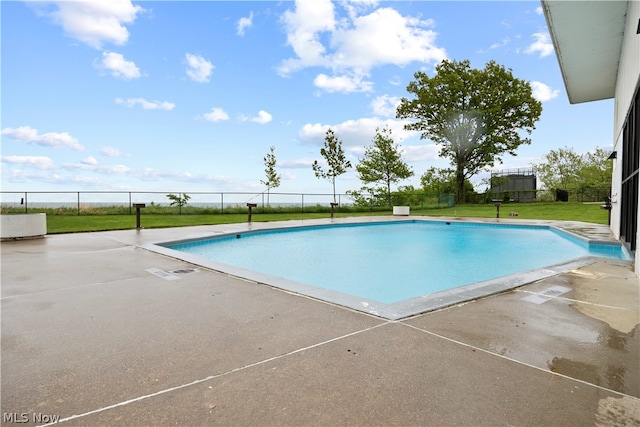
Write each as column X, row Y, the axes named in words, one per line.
column 25, row 417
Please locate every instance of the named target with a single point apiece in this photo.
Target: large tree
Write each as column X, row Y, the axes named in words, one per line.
column 382, row 163
column 337, row 164
column 474, row 115
column 272, row 177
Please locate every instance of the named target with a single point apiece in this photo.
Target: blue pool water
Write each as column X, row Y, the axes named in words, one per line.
column 391, row 262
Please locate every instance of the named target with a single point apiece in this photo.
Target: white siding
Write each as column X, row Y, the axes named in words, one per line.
column 628, row 67
column 627, row 81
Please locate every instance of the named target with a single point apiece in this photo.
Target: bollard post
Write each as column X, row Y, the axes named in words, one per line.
column 333, row 205
column 138, row 206
column 250, row 206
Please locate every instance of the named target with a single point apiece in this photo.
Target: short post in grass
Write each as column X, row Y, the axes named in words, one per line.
column 138, row 206
column 497, row 204
column 250, row 206
column 333, row 205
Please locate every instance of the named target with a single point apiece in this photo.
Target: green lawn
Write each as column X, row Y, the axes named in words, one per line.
column 546, row 211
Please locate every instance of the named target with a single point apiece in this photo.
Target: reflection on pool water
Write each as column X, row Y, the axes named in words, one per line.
column 394, row 261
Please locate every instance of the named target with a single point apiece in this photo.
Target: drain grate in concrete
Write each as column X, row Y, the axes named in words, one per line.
column 184, row 271
column 161, row 273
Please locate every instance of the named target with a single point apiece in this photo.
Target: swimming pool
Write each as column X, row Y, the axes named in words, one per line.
column 394, row 268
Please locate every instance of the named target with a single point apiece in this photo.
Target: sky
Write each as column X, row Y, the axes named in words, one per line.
column 183, row 96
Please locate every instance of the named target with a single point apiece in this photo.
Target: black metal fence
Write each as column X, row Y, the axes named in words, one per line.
column 122, row 202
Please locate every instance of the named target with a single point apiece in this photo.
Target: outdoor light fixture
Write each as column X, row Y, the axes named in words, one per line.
column 613, row 155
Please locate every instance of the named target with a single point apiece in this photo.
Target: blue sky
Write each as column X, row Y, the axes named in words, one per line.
column 189, row 96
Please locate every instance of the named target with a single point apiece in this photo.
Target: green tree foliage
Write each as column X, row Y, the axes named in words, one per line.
column 565, row 169
column 337, row 164
column 272, row 177
column 178, row 200
column 438, row 181
column 382, row 163
column 598, row 169
column 474, row 115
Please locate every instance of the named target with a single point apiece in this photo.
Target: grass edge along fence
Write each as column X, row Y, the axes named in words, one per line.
column 199, row 203
column 68, row 218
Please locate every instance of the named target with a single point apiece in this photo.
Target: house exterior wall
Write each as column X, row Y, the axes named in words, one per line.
column 627, row 82
column 628, row 67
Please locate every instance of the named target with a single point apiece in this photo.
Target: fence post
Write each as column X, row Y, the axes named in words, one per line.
column 221, row 203
column 129, row 202
column 78, row 203
column 302, row 204
column 26, row 204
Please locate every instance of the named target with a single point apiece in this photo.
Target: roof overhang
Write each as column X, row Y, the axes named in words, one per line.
column 587, row 37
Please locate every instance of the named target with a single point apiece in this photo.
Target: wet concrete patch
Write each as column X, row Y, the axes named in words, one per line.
column 568, row 333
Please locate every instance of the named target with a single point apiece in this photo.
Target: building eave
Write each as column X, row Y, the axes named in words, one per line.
column 587, row 37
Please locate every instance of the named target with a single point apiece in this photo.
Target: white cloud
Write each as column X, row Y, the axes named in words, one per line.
column 539, row 10
column 354, row 133
column 90, row 161
column 355, row 44
column 111, row 152
column 542, row 45
column 385, row 105
column 216, row 115
column 146, row 105
column 386, row 37
column 262, row 118
column 542, row 92
column 395, row 81
column 94, row 167
column 38, row 162
column 505, row 41
column 420, row 153
column 198, row 68
column 118, row 65
column 151, row 174
column 94, row 22
column 244, row 23
column 303, row 27
column 296, row 163
column 49, row 139
column 344, row 84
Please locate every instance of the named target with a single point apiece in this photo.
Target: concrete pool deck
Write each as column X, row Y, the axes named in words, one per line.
column 97, row 330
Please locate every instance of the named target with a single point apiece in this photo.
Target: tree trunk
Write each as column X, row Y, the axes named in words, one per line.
column 333, row 181
column 459, row 183
column 389, row 192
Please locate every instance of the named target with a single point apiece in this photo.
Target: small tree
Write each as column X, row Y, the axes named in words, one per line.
column 382, row 163
column 273, row 178
column 335, row 158
column 178, row 200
